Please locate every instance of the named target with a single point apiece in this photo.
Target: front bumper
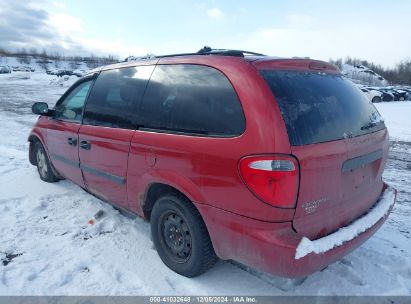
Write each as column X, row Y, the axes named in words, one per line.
column 278, row 249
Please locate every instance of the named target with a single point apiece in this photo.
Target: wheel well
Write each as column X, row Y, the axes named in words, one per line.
column 155, row 191
column 33, row 140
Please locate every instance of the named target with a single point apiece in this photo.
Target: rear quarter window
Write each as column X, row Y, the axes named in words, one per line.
column 191, row 99
column 320, row 107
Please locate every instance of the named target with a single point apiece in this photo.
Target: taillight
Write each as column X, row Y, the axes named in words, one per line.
column 273, row 179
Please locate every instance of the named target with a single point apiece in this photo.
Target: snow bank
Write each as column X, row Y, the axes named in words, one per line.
column 38, row 64
column 350, row 232
column 64, row 81
column 363, row 75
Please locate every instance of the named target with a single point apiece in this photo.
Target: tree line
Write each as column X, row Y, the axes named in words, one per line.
column 47, row 59
column 399, row 74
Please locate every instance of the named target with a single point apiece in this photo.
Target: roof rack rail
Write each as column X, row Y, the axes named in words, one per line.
column 209, row 51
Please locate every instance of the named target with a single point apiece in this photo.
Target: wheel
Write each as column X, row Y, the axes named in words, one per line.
column 401, row 98
column 376, row 99
column 43, row 165
column 181, row 237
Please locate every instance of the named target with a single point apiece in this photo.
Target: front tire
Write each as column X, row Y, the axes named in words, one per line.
column 43, row 165
column 181, row 237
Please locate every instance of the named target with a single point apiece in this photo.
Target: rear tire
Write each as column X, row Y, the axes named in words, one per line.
column 43, row 164
column 376, row 99
column 181, row 237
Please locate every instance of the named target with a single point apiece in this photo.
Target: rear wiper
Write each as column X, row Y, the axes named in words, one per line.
column 371, row 124
column 368, row 126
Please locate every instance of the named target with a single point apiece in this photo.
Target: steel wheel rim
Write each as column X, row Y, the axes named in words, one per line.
column 176, row 237
column 41, row 163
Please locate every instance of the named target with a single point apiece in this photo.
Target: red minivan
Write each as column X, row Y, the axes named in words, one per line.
column 274, row 163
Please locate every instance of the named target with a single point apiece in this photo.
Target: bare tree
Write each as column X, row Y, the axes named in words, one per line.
column 73, row 64
column 43, row 64
column 33, row 52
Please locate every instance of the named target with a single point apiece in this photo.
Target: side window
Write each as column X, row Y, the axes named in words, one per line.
column 71, row 107
column 114, row 96
column 191, row 99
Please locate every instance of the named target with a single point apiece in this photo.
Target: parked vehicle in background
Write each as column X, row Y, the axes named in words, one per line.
column 402, row 94
column 386, row 96
column 5, row 69
column 397, row 95
column 23, row 69
column 61, row 73
column 228, row 154
column 79, row 73
column 372, row 95
column 52, row 72
column 408, row 93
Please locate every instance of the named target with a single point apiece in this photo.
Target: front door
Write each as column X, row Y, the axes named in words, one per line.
column 62, row 132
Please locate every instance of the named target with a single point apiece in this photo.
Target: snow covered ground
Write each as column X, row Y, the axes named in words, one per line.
column 48, row 248
column 397, row 116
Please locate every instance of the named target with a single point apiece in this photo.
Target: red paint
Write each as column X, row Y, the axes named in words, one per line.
column 108, row 153
column 58, row 133
column 348, row 195
column 270, row 246
column 242, row 227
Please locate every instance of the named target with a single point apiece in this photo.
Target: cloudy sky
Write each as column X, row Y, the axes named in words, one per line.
column 373, row 30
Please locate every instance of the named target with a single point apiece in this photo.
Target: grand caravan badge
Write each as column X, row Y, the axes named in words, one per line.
column 310, row 207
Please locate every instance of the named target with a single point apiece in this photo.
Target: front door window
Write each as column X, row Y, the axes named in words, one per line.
column 71, row 107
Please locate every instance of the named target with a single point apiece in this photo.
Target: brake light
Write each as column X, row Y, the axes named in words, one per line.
column 273, row 179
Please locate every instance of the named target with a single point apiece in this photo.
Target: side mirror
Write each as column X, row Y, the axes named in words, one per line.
column 40, row 108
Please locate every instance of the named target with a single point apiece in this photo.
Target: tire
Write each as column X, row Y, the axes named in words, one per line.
column 401, row 98
column 376, row 99
column 181, row 237
column 43, row 164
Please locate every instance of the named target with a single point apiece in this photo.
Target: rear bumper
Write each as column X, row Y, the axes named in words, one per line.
column 278, row 249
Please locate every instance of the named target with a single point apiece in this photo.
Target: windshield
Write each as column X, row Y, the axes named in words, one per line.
column 319, row 107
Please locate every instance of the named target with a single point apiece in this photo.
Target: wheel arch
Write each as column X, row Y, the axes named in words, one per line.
column 33, row 139
column 157, row 189
column 154, row 191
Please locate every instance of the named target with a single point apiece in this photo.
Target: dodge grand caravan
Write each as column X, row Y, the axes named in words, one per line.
column 274, row 163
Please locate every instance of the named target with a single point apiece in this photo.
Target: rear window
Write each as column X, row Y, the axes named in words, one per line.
column 319, row 107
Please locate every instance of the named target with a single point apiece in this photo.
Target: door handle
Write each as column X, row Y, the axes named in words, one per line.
column 84, row 144
column 72, row 141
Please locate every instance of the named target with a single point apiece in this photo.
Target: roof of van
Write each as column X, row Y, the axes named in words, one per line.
column 258, row 60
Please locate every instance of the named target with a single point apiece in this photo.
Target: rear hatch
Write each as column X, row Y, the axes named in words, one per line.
column 340, row 141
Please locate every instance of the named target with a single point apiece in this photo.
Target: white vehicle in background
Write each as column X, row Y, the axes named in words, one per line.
column 373, row 95
column 5, row 69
